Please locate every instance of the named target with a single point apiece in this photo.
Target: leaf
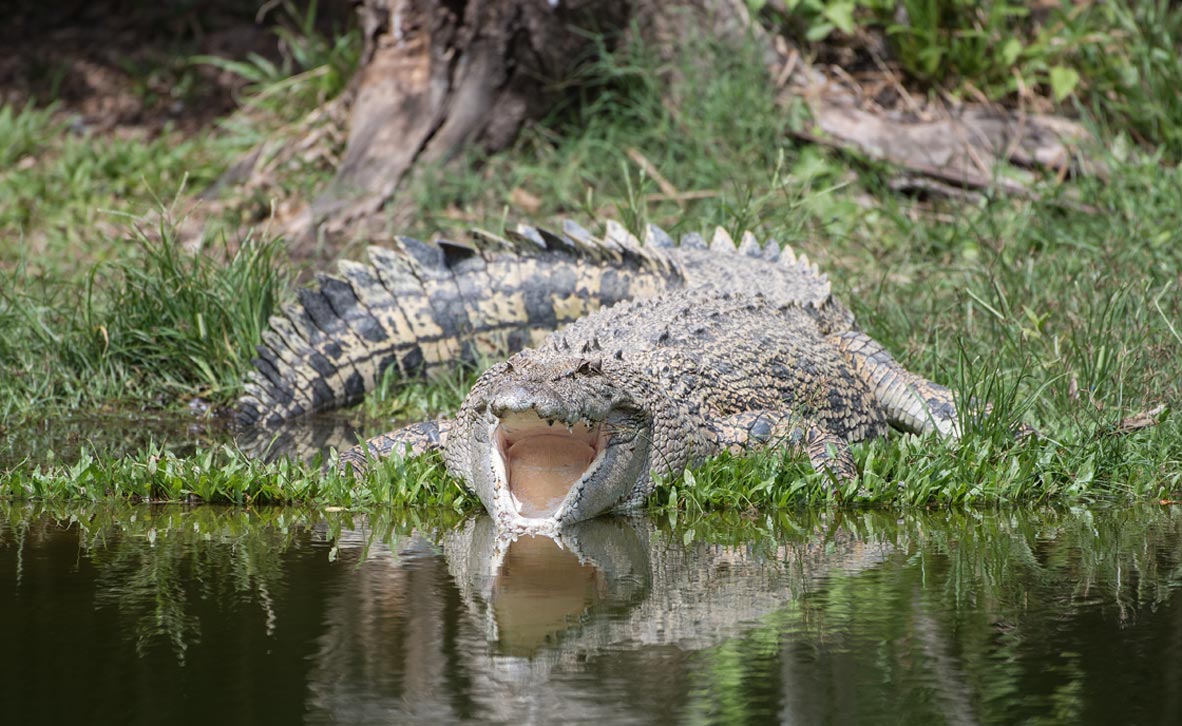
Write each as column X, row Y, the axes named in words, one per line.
column 1010, row 51
column 1063, row 81
column 819, row 32
column 841, row 14
column 930, row 58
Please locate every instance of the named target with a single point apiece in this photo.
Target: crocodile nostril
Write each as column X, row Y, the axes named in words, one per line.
column 512, row 400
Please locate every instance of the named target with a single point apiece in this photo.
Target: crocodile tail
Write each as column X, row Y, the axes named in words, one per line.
column 424, row 307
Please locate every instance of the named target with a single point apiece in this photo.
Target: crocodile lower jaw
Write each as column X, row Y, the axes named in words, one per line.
column 542, row 461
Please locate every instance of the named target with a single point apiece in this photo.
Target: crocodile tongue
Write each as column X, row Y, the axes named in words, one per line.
column 544, row 459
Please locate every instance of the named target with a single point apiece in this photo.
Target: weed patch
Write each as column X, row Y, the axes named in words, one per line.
column 159, row 325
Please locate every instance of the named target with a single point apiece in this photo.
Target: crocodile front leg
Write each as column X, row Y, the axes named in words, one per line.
column 414, row 440
column 755, row 430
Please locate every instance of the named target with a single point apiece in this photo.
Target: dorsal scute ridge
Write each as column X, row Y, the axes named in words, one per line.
column 749, row 245
column 771, row 250
column 615, row 236
column 627, row 244
column 579, row 235
column 427, row 258
column 395, row 271
column 364, row 281
column 557, row 242
column 721, row 241
column 487, row 241
column 807, row 266
column 456, row 252
column 656, row 237
column 616, row 243
column 529, row 239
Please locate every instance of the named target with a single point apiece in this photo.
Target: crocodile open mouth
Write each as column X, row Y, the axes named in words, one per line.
column 543, row 459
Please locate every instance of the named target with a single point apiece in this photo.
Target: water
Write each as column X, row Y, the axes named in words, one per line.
column 211, row 615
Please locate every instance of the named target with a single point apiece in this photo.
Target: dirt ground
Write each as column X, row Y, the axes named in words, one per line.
column 126, row 66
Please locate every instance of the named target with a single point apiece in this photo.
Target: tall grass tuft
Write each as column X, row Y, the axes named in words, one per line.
column 184, row 322
column 158, row 324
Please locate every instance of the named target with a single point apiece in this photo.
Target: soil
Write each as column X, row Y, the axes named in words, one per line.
column 126, row 67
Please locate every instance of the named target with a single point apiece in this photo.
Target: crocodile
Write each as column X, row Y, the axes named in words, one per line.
column 421, row 309
column 589, row 419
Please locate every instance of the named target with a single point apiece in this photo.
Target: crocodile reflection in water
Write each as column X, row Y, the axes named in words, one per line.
column 532, row 591
column 619, row 598
column 540, row 591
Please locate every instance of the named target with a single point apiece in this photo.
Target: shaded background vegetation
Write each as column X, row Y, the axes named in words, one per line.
column 112, row 145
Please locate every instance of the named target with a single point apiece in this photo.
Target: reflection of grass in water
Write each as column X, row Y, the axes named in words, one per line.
column 148, row 585
column 965, row 598
column 155, row 562
column 990, row 612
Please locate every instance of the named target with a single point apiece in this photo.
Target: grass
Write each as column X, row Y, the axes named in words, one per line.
column 65, row 200
column 225, row 474
column 159, row 324
column 1065, row 320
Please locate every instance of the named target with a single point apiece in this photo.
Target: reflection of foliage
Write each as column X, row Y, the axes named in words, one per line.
column 1131, row 553
column 954, row 616
column 972, row 609
column 146, row 581
column 157, row 563
column 154, row 563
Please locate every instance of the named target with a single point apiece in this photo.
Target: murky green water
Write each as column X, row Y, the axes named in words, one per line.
column 218, row 616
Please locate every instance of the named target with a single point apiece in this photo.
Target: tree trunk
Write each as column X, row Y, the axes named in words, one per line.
column 439, row 75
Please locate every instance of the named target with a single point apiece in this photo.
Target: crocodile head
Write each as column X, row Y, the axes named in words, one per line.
column 553, row 439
